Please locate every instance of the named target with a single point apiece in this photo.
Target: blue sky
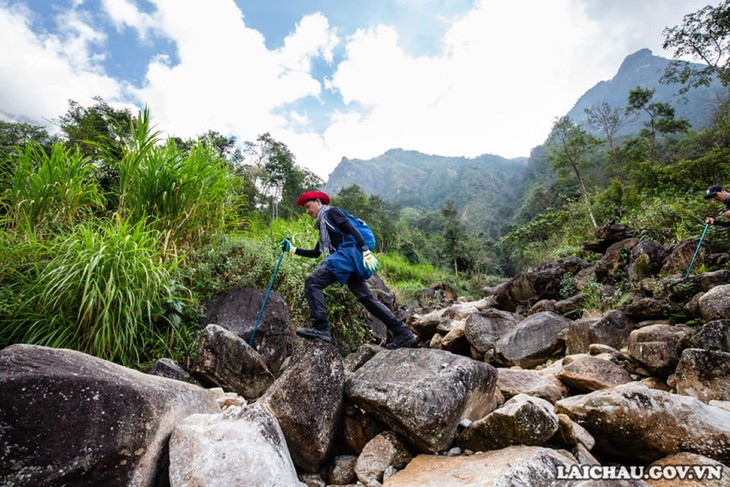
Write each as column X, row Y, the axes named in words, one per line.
column 329, row 78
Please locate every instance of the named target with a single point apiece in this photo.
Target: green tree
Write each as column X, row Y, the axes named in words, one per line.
column 453, row 235
column 275, row 173
column 702, row 36
column 88, row 128
column 660, row 116
column 570, row 148
column 608, row 119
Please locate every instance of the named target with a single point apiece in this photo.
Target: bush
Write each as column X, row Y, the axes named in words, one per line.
column 107, row 291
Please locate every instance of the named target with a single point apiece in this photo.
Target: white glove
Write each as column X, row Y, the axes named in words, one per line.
column 370, row 262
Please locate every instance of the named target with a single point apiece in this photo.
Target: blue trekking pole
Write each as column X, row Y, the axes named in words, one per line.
column 697, row 251
column 266, row 298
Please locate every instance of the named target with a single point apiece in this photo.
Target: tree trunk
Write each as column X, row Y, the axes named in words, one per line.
column 585, row 196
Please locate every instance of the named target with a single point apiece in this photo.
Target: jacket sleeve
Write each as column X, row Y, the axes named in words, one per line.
column 340, row 220
column 311, row 253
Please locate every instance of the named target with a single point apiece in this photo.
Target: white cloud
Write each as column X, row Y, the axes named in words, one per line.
column 227, row 80
column 500, row 76
column 124, row 13
column 41, row 72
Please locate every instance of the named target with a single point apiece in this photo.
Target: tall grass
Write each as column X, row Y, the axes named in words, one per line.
column 108, row 292
column 49, row 192
column 184, row 196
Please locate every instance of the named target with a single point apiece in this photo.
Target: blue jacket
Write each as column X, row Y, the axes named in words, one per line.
column 347, row 259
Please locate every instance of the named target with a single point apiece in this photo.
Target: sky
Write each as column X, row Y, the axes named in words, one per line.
column 328, row 78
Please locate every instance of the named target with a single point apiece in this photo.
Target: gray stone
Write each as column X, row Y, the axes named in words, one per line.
column 307, row 401
column 423, row 394
column 67, row 418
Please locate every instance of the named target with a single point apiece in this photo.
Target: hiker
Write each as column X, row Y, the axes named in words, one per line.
column 349, row 261
column 722, row 195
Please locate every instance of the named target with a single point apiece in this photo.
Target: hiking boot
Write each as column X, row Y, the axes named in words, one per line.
column 311, row 332
column 402, row 337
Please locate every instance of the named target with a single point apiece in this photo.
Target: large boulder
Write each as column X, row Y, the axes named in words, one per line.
column 655, row 347
column 512, row 382
column 529, row 287
column 615, row 259
column 242, row 446
column 67, row 418
column 646, row 260
column 518, row 466
column 237, row 310
column 533, row 341
column 681, row 255
column 703, row 374
column 307, row 402
column 423, row 394
column 483, row 329
column 225, row 360
column 586, row 373
column 523, row 420
column 612, row 329
column 714, row 335
column 634, row 422
column 715, row 303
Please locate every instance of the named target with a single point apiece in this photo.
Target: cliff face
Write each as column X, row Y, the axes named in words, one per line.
column 644, row 69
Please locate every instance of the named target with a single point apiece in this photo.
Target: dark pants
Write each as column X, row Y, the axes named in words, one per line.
column 321, row 278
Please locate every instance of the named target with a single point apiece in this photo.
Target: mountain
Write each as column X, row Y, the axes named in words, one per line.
column 481, row 187
column 644, row 69
column 486, row 188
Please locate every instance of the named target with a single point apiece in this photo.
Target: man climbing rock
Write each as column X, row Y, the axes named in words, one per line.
column 349, row 261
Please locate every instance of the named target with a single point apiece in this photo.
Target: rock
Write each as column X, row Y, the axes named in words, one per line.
column 342, row 471
column 652, row 309
column 704, row 375
column 586, row 373
column 655, row 347
column 692, row 460
column 512, row 382
column 423, row 394
column 571, row 433
column 714, row 335
column 237, row 310
column 534, row 340
column 242, row 446
column 224, row 359
column 523, row 420
column 357, row 427
column 680, row 256
column 612, row 232
column 455, row 341
column 514, row 466
column 166, row 367
column 715, row 303
column 646, row 260
column 634, row 422
column 384, row 451
column 67, row 418
column 483, row 329
column 527, row 288
column 615, row 259
column 612, row 329
column 306, row 400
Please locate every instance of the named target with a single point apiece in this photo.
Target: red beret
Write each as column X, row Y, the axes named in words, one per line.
column 313, row 195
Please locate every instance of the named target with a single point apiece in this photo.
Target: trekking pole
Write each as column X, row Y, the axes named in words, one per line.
column 697, row 251
column 266, row 297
